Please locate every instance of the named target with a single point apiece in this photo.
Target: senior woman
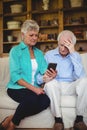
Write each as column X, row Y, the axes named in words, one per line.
column 26, row 61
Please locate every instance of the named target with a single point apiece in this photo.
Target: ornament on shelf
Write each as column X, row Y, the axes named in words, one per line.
column 45, row 4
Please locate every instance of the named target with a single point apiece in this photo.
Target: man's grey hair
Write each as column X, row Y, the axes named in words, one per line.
column 67, row 32
column 29, row 25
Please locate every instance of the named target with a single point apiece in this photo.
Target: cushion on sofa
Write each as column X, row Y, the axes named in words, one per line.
column 7, row 102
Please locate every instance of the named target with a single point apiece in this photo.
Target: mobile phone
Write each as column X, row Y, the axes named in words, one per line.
column 52, row 65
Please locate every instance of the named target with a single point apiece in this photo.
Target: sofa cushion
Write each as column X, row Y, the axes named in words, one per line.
column 84, row 61
column 4, row 72
column 8, row 103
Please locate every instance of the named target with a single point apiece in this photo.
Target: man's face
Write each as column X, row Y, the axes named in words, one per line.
column 63, row 50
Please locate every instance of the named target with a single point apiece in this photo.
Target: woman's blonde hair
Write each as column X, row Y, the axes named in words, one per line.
column 29, row 25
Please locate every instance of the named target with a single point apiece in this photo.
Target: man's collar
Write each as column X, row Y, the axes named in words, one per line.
column 57, row 51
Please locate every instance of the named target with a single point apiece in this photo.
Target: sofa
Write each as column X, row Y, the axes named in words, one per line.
column 45, row 118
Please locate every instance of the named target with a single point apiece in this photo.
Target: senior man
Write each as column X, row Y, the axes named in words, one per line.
column 69, row 78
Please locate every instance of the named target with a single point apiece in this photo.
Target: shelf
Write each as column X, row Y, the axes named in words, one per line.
column 5, row 55
column 48, row 41
column 75, row 19
column 13, row 42
column 6, row 1
column 8, row 15
column 16, row 29
column 65, row 18
column 44, row 12
column 52, row 26
column 1, row 14
column 15, row 14
column 74, row 9
column 81, row 52
column 72, row 25
column 81, row 40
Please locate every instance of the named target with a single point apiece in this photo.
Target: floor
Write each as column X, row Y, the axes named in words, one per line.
column 41, row 129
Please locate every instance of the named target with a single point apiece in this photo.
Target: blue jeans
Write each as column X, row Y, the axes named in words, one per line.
column 29, row 103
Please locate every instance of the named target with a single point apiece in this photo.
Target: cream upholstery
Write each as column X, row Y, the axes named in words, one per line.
column 43, row 119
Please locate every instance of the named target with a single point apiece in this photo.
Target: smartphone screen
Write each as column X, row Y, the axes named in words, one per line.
column 52, row 65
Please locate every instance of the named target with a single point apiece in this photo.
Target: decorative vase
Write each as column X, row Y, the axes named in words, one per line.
column 76, row 3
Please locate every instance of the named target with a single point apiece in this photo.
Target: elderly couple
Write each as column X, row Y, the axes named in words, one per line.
column 29, row 69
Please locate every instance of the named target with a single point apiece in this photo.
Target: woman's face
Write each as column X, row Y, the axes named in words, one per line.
column 30, row 38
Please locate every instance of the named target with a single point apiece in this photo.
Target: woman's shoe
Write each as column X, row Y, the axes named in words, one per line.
column 1, row 126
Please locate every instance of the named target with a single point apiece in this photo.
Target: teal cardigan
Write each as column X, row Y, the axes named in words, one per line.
column 20, row 65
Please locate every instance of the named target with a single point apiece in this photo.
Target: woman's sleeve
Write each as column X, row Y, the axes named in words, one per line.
column 15, row 71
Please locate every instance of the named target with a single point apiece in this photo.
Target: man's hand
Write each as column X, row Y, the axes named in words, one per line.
column 69, row 45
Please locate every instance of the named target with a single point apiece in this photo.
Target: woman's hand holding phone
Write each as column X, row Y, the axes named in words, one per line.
column 52, row 66
column 50, row 73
